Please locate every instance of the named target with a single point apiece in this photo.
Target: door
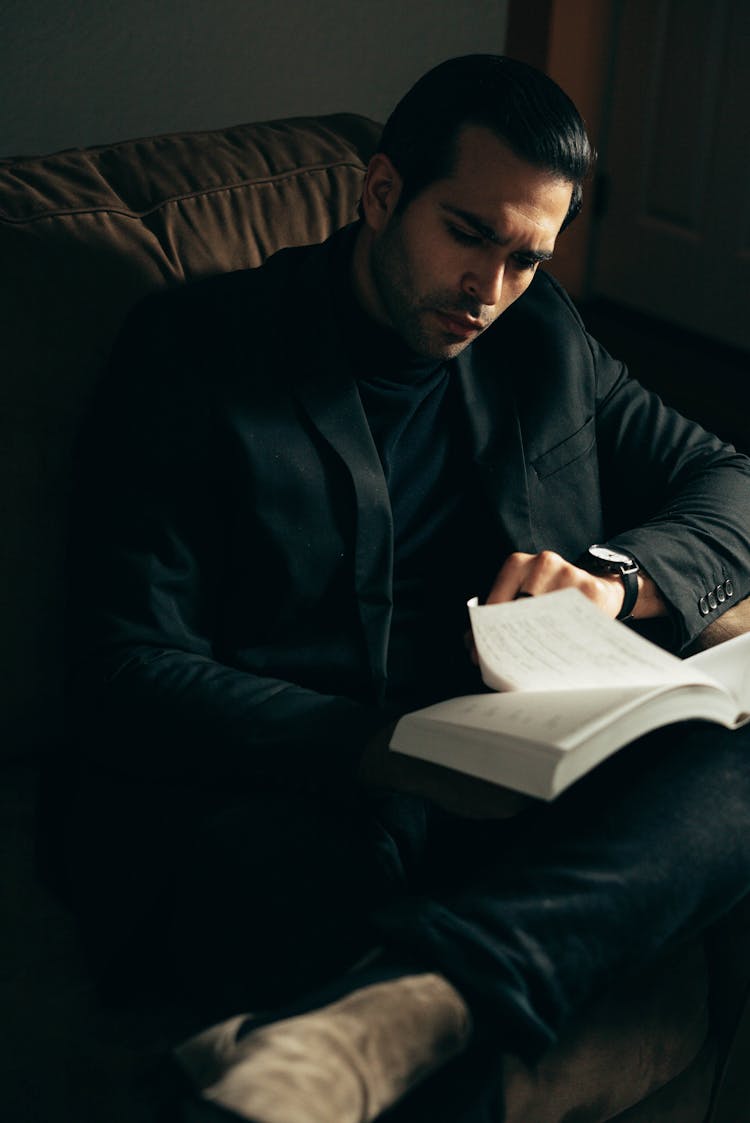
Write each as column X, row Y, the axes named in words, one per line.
column 674, row 237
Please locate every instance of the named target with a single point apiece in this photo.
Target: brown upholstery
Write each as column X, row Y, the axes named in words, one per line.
column 629, row 1044
column 83, row 235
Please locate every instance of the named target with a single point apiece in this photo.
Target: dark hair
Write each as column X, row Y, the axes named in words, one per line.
column 520, row 104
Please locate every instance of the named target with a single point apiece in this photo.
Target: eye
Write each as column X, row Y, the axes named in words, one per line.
column 463, row 236
column 527, row 264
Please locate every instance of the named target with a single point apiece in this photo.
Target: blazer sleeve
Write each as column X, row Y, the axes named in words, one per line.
column 675, row 497
column 147, row 695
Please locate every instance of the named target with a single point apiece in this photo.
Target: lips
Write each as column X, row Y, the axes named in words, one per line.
column 459, row 325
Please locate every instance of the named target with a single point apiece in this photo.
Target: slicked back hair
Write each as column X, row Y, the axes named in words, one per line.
column 522, row 106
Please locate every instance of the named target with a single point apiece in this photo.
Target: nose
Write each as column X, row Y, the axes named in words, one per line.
column 486, row 286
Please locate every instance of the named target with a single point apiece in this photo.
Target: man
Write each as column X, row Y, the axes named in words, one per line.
column 291, row 482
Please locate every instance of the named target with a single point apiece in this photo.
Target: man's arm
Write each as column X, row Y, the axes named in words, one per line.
column 672, row 496
column 152, row 515
column 676, row 498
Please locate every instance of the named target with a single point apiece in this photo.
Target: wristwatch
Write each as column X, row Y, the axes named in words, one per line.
column 603, row 559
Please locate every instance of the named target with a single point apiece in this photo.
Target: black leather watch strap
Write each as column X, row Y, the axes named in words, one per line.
column 604, row 559
column 630, row 581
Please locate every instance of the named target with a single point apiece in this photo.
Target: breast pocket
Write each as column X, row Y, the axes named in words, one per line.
column 573, row 448
column 564, row 494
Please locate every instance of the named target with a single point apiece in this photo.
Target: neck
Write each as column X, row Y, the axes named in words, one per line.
column 363, row 285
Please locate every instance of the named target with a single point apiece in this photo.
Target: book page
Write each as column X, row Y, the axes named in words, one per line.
column 561, row 640
column 729, row 664
column 560, row 718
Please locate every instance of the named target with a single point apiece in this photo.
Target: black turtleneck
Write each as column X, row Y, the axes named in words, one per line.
column 417, row 417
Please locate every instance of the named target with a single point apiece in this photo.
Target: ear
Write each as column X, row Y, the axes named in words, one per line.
column 381, row 191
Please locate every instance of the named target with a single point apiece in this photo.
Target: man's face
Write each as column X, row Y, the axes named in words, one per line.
column 465, row 248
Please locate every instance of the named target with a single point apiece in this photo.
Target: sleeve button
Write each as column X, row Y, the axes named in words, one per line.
column 729, row 587
column 721, row 595
column 712, row 601
column 703, row 606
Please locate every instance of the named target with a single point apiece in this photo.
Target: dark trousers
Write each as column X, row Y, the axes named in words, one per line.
column 528, row 917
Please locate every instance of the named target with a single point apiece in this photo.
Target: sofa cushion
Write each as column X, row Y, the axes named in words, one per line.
column 83, row 235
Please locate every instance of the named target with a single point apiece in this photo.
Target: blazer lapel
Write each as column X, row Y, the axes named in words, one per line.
column 494, row 420
column 329, row 396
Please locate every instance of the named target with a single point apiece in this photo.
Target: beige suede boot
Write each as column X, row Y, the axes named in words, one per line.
column 343, row 1063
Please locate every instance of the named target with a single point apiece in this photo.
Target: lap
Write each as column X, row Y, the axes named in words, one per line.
column 278, row 886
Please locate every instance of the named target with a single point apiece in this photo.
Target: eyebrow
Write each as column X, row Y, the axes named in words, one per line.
column 491, row 235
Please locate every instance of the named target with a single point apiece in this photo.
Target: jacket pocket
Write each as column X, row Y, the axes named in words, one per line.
column 567, row 452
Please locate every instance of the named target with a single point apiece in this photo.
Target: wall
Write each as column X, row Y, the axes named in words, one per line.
column 80, row 72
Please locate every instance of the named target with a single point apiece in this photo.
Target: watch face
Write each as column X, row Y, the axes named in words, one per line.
column 605, row 554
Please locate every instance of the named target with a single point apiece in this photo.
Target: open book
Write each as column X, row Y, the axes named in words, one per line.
column 569, row 687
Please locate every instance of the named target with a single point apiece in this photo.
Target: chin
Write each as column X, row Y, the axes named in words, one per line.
column 447, row 351
column 431, row 348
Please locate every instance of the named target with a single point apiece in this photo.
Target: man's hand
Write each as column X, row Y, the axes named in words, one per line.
column 533, row 574
column 462, row 795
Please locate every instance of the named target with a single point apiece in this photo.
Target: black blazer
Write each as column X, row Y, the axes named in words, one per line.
column 231, row 547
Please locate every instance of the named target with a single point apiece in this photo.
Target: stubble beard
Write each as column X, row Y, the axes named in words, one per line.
column 408, row 314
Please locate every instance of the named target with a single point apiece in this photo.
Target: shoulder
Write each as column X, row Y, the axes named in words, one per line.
column 222, row 330
column 547, row 307
column 226, row 300
column 543, row 330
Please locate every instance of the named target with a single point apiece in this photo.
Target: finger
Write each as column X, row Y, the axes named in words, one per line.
column 510, row 581
column 471, row 647
column 547, row 572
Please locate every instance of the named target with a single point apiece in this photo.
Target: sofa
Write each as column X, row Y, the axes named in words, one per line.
column 83, row 235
